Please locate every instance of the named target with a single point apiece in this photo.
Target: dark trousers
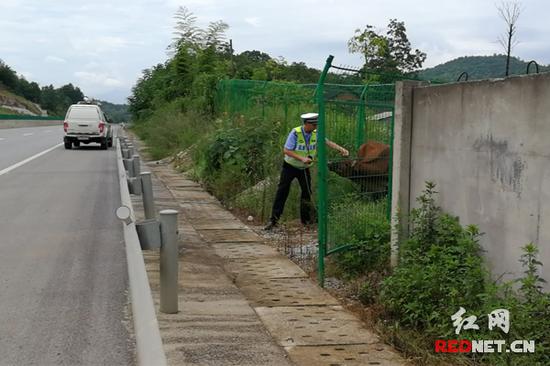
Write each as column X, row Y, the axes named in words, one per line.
column 288, row 173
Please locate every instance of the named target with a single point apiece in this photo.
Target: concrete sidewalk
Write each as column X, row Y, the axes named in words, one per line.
column 240, row 301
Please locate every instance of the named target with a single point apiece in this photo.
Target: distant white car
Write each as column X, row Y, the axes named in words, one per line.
column 86, row 123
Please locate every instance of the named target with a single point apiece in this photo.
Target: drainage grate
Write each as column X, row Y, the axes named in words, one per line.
column 244, row 250
column 223, row 236
column 193, row 195
column 347, row 355
column 223, row 224
column 255, row 269
column 314, row 325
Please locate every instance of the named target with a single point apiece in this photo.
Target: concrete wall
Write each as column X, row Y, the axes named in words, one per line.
column 486, row 145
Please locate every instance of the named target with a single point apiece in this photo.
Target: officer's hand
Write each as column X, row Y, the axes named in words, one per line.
column 344, row 152
column 307, row 160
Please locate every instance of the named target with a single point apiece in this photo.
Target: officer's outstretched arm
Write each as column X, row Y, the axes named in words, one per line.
column 335, row 146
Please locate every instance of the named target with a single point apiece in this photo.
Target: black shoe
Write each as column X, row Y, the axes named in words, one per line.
column 270, row 226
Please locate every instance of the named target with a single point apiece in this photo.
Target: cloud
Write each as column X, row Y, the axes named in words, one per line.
column 98, row 45
column 98, row 79
column 191, row 4
column 10, row 3
column 55, row 60
column 253, row 21
column 106, row 44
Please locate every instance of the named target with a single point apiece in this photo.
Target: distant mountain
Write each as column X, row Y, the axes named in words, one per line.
column 118, row 112
column 478, row 67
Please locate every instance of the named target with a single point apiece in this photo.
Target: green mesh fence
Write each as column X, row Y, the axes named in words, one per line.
column 279, row 102
column 29, row 118
column 354, row 190
column 349, row 191
column 274, row 107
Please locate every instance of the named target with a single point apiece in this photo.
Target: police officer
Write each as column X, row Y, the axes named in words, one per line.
column 299, row 153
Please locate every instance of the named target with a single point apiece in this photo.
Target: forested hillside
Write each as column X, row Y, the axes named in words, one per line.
column 19, row 96
column 54, row 100
column 118, row 112
column 477, row 67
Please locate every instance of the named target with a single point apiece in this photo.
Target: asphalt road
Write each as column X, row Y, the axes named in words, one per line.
column 17, row 144
column 63, row 276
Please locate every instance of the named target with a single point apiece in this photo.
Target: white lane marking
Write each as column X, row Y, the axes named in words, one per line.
column 28, row 134
column 1, row 138
column 23, row 162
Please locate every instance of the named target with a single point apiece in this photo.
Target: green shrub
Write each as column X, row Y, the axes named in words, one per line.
column 240, row 147
column 362, row 225
column 529, row 309
column 441, row 270
column 228, row 181
column 170, row 128
column 339, row 188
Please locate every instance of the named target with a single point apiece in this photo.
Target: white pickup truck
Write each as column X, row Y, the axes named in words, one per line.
column 86, row 123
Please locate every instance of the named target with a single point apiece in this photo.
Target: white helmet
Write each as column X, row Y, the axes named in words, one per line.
column 310, row 117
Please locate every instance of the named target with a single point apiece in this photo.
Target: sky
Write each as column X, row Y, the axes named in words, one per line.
column 102, row 46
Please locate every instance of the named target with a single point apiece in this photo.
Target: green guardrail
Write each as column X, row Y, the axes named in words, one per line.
column 29, row 118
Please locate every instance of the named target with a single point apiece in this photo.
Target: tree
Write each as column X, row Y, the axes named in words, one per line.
column 214, row 36
column 192, row 38
column 72, row 93
column 509, row 12
column 29, row 91
column 8, row 77
column 186, row 34
column 245, row 63
column 51, row 100
column 301, row 73
column 387, row 54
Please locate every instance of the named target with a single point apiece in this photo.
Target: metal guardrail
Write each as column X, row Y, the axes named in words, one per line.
column 148, row 341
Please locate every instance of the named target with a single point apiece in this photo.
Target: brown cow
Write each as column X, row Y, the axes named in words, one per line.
column 369, row 169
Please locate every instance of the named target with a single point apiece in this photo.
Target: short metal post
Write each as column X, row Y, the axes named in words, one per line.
column 169, row 261
column 125, row 153
column 130, row 150
column 134, row 185
column 136, row 164
column 147, row 192
column 129, row 165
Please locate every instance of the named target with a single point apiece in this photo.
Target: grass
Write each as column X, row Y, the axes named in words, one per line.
column 6, row 96
column 9, row 111
column 170, row 130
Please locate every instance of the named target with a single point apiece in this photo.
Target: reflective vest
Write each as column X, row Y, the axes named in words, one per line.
column 302, row 150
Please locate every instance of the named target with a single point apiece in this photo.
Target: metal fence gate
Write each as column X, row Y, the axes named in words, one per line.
column 355, row 189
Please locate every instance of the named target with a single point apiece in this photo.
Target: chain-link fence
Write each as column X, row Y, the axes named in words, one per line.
column 274, row 108
column 355, row 190
column 279, row 102
column 350, row 191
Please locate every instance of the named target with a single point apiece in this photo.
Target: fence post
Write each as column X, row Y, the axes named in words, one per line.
column 322, row 174
column 169, row 261
column 147, row 192
column 361, row 115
